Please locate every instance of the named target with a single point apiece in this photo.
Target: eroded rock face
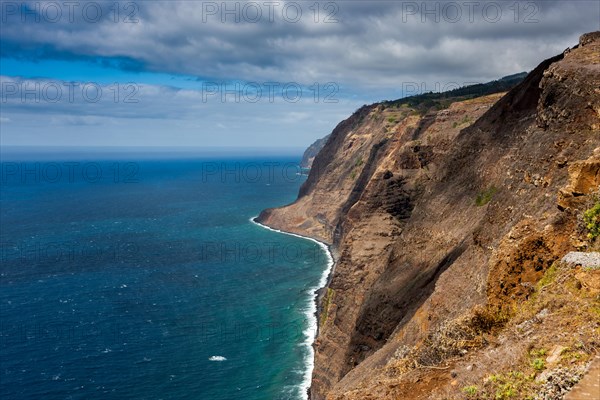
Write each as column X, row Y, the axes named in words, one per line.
column 584, row 178
column 330, row 182
column 433, row 215
column 311, row 152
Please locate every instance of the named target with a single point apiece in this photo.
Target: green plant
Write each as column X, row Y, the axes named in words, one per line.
column 548, row 277
column 465, row 121
column 484, row 197
column 538, row 353
column 592, row 221
column 470, row 390
column 538, row 364
column 325, row 306
column 391, row 119
column 506, row 386
column 506, row 391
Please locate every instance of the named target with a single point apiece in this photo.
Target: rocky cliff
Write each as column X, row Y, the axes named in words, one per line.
column 444, row 220
column 311, row 152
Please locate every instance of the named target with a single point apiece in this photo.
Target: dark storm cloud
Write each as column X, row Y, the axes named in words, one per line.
column 372, row 44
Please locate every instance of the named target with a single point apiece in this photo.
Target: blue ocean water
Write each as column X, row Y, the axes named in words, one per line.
column 144, row 278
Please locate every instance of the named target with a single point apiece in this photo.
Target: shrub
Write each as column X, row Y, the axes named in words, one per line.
column 538, row 353
column 486, row 320
column 470, row 390
column 592, row 221
column 548, row 277
column 538, row 364
column 484, row 197
column 506, row 391
column 508, row 386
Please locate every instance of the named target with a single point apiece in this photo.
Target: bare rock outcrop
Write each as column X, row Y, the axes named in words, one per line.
column 584, row 178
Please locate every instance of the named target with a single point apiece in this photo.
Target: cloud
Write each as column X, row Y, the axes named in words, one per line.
column 370, row 50
column 55, row 112
column 374, row 44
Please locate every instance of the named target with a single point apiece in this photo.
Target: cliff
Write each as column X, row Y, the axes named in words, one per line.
column 311, row 152
column 444, row 220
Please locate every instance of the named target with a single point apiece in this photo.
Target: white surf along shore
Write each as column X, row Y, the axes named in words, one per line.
column 310, row 334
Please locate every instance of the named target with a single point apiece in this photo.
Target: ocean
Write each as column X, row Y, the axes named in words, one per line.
column 143, row 277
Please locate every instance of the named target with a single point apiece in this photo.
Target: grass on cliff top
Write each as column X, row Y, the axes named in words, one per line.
column 422, row 103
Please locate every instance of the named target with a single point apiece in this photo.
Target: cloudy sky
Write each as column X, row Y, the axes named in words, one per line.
column 251, row 73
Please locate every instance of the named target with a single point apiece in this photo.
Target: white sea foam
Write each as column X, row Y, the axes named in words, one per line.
column 310, row 333
column 217, row 358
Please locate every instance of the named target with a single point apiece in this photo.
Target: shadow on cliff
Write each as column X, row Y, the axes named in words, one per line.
column 410, row 279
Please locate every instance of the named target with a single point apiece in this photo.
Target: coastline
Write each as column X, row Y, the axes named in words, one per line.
column 313, row 311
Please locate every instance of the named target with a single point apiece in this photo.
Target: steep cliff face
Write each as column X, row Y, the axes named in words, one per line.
column 441, row 219
column 311, row 152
